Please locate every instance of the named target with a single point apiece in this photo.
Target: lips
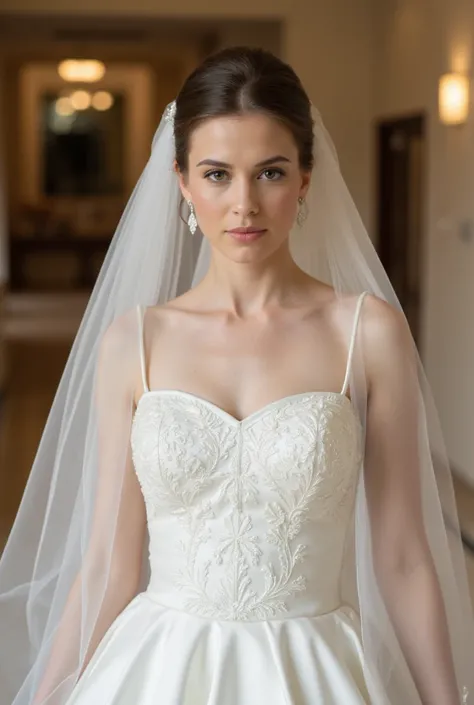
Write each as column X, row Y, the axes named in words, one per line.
column 246, row 231
column 246, row 235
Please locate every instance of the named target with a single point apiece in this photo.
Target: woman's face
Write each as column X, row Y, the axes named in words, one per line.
column 243, row 171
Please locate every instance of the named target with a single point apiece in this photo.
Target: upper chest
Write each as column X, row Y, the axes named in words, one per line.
column 242, row 367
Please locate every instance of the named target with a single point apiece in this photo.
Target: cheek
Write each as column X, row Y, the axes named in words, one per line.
column 209, row 204
column 207, row 200
column 281, row 205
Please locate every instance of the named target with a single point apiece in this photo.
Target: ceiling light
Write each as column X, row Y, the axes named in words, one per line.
column 82, row 70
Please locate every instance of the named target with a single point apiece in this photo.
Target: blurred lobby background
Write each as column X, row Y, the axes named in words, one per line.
column 71, row 150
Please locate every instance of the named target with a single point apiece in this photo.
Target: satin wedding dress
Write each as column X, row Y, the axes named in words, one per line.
column 248, row 522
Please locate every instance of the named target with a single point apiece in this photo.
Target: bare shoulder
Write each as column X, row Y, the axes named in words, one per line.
column 162, row 317
column 191, row 301
column 383, row 323
column 117, row 360
column 341, row 307
column 389, row 348
column 120, row 335
column 387, row 343
column 118, row 352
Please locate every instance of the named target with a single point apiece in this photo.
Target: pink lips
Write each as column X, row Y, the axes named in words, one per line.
column 246, row 234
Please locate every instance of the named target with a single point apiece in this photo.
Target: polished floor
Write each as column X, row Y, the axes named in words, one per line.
column 35, row 364
column 34, row 370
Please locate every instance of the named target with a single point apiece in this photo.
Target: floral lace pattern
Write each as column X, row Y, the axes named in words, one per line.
column 240, row 493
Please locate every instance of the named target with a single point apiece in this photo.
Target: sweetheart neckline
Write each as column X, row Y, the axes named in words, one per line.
column 254, row 414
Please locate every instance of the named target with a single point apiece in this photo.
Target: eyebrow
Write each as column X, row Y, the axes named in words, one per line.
column 266, row 162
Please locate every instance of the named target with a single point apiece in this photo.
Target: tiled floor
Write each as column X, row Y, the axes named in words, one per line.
column 35, row 370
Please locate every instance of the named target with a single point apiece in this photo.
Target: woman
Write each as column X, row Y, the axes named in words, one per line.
column 262, row 433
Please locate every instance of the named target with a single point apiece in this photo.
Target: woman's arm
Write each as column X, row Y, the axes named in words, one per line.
column 402, row 558
column 110, row 572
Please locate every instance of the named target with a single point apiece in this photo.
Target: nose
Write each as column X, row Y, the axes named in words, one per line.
column 245, row 200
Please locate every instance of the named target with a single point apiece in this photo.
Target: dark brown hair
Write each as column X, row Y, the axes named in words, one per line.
column 242, row 80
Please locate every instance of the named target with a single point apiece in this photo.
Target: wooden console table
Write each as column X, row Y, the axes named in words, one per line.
column 88, row 251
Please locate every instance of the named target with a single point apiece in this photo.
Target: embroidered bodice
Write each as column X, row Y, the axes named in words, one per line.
column 247, row 519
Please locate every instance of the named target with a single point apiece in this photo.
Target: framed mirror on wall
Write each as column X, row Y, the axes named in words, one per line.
column 82, row 135
column 110, row 146
column 82, row 147
column 72, row 175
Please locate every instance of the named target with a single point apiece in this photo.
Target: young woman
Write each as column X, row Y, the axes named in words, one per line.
column 234, row 502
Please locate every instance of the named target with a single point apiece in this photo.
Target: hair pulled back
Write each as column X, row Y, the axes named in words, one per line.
column 242, row 80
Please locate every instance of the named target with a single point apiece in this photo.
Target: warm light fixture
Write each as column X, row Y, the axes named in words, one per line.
column 63, row 107
column 453, row 98
column 80, row 100
column 102, row 100
column 81, row 70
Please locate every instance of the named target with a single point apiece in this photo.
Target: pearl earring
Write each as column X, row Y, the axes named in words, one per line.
column 192, row 222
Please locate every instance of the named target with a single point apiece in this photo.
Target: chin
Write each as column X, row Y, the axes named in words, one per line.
column 255, row 252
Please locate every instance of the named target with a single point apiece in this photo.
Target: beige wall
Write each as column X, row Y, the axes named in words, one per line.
column 417, row 42
column 330, row 44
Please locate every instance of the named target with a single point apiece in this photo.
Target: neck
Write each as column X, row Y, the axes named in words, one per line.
column 245, row 288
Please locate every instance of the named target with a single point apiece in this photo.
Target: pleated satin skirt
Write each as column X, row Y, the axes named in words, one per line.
column 154, row 655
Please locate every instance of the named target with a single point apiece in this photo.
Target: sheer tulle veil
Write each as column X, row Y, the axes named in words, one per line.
column 56, row 572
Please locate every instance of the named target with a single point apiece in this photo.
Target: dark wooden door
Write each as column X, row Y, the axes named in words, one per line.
column 401, row 176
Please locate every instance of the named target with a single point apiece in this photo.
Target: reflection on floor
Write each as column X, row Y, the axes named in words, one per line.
column 35, row 369
column 34, row 373
column 39, row 330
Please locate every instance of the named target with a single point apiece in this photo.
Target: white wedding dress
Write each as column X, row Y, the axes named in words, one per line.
column 247, row 522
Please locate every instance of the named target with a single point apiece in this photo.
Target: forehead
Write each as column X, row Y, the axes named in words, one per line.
column 239, row 137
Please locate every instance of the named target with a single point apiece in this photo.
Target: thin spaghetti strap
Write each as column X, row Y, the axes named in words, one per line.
column 352, row 344
column 141, row 346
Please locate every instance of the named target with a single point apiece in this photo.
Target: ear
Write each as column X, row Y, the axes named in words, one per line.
column 182, row 182
column 305, row 182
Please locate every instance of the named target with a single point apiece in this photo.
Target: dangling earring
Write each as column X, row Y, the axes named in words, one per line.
column 192, row 222
column 302, row 211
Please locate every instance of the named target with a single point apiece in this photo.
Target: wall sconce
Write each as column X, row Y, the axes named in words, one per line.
column 453, row 98
column 81, row 70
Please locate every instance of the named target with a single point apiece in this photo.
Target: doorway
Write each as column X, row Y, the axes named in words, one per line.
column 401, row 180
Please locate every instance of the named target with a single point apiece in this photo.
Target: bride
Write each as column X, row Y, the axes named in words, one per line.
column 242, row 494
